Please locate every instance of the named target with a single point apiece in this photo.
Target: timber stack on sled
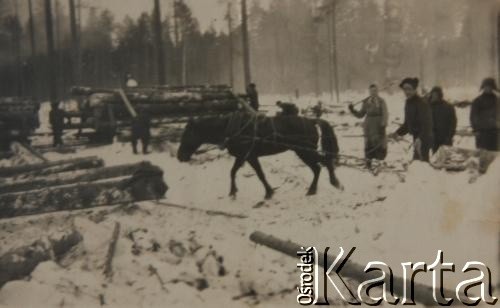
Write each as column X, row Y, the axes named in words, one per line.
column 163, row 101
column 76, row 184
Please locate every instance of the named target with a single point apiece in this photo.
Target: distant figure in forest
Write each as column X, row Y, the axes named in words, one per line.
column 141, row 130
column 374, row 110
column 56, row 119
column 418, row 120
column 253, row 96
column 318, row 110
column 484, row 116
column 287, row 109
column 130, row 81
column 444, row 119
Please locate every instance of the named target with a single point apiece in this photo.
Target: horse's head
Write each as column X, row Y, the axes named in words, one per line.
column 190, row 142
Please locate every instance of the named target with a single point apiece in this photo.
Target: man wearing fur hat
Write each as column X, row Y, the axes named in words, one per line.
column 483, row 116
column 418, row 120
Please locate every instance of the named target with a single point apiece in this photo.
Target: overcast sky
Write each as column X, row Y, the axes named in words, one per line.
column 208, row 12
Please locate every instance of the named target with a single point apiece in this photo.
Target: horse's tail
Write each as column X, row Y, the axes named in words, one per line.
column 329, row 143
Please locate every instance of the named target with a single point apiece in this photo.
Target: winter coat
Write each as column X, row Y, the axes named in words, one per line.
column 374, row 110
column 418, row 120
column 483, row 115
column 56, row 119
column 444, row 122
column 253, row 97
column 141, row 126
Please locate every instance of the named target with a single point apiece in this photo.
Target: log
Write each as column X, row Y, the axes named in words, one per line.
column 86, row 91
column 52, row 167
column 145, row 184
column 423, row 294
column 20, row 262
column 108, row 264
column 71, row 177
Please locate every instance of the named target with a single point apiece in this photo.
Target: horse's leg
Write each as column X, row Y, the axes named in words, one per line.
column 237, row 165
column 312, row 160
column 331, row 172
column 254, row 162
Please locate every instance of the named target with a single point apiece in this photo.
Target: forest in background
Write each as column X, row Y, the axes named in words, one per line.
column 294, row 45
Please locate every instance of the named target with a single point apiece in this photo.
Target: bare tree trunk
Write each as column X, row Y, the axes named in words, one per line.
column 52, row 75
column 160, row 51
column 75, row 38
column 246, row 44
column 176, row 44
column 498, row 45
column 334, row 50
column 230, row 43
column 32, row 29
column 184, row 60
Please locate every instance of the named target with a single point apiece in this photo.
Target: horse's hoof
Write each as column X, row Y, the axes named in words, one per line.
column 338, row 185
column 311, row 192
column 269, row 195
column 232, row 195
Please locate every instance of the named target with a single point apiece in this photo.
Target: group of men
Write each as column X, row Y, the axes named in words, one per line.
column 429, row 119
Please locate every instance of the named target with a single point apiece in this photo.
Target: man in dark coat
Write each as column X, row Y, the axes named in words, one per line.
column 141, row 130
column 483, row 116
column 418, row 120
column 253, row 96
column 444, row 119
column 56, row 119
column 287, row 109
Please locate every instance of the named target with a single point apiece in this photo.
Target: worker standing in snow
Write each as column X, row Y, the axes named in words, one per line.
column 418, row 120
column 374, row 110
column 253, row 96
column 56, row 119
column 318, row 110
column 141, row 130
column 444, row 119
column 484, row 117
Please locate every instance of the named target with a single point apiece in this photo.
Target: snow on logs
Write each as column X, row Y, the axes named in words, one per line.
column 36, row 190
column 46, row 168
column 165, row 101
column 20, row 262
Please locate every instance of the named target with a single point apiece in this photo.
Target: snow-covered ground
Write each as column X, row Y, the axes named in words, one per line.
column 172, row 257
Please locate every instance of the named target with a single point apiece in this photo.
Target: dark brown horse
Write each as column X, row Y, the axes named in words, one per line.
column 247, row 137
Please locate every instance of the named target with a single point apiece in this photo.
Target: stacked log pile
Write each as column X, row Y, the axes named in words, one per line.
column 164, row 101
column 76, row 184
column 17, row 105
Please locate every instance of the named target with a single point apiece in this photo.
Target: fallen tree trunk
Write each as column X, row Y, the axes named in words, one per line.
column 423, row 294
column 145, row 184
column 108, row 264
column 52, row 167
column 20, row 262
column 70, row 177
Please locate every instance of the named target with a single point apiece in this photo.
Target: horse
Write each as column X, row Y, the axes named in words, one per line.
column 249, row 136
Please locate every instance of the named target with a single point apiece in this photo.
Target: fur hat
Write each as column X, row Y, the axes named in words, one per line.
column 410, row 81
column 489, row 82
